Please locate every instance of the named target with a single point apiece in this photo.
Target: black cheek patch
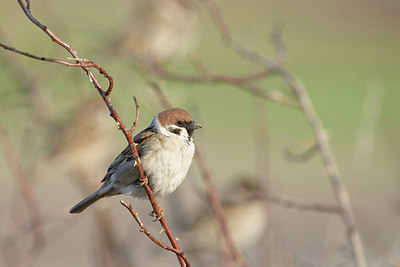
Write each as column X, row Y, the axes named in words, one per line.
column 176, row 131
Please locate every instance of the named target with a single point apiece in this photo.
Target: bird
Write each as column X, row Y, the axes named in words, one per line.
column 165, row 149
column 157, row 31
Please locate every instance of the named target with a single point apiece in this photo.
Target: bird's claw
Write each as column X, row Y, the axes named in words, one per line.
column 158, row 215
column 143, row 182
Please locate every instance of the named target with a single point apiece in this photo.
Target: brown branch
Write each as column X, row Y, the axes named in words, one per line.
column 15, row 50
column 300, row 204
column 85, row 64
column 275, row 65
column 215, row 203
column 148, row 190
column 238, row 47
column 239, row 81
column 212, row 75
column 137, row 115
column 217, row 209
column 208, row 77
column 341, row 194
column 271, row 95
column 149, row 235
column 22, row 181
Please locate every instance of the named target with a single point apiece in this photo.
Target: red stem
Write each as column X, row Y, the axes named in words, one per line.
column 85, row 65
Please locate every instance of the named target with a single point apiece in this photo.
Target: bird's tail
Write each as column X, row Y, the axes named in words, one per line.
column 81, row 206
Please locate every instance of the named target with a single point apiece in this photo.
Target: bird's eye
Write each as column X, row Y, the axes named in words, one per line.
column 180, row 123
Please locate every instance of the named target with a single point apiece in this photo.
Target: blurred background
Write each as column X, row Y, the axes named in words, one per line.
column 56, row 134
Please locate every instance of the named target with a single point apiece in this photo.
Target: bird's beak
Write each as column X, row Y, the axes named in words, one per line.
column 194, row 125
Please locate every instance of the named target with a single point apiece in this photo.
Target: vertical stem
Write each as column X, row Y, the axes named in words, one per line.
column 341, row 194
column 23, row 183
column 218, row 211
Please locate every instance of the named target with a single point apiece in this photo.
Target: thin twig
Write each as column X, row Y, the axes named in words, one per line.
column 262, row 154
column 149, row 235
column 227, row 37
column 217, row 208
column 85, row 64
column 300, row 204
column 341, row 194
column 215, row 203
column 137, row 115
column 149, row 192
column 240, row 82
column 216, row 77
column 22, row 181
column 275, row 65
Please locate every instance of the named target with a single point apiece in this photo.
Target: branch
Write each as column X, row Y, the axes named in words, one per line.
column 239, row 81
column 149, row 235
column 215, row 203
column 85, row 65
column 300, row 204
column 148, row 190
column 341, row 194
column 295, row 84
column 217, row 209
column 238, row 47
column 22, row 181
column 137, row 115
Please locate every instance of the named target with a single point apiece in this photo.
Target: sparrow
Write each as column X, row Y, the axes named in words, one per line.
column 76, row 150
column 241, row 196
column 166, row 150
column 158, row 30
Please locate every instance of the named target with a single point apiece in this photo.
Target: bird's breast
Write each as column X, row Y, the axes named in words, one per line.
column 166, row 162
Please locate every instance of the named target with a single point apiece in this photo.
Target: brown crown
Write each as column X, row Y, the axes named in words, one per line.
column 172, row 116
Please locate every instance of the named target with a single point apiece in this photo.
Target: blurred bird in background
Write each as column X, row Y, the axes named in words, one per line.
column 158, row 31
column 79, row 149
column 83, row 142
column 247, row 219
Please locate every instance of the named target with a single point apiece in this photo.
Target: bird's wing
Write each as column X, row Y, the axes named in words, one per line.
column 126, row 155
column 141, row 138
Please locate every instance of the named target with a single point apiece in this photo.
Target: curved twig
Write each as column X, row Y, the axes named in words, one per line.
column 242, row 82
column 297, row 87
column 85, row 65
column 149, row 235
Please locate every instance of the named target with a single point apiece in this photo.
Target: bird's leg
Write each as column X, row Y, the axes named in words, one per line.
column 143, row 182
column 157, row 214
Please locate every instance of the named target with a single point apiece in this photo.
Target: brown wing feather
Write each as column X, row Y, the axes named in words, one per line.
column 141, row 139
column 126, row 154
